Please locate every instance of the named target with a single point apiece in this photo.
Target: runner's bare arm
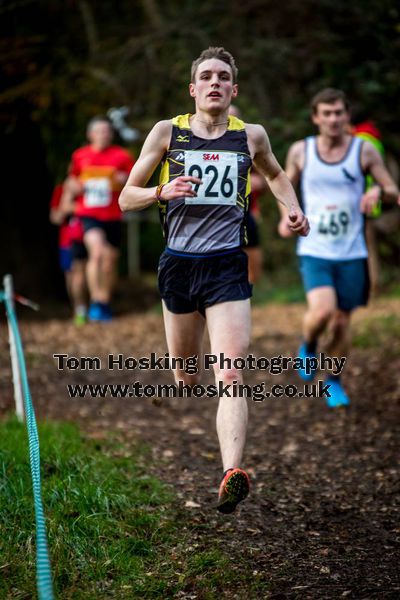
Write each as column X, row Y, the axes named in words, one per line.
column 135, row 196
column 266, row 163
column 294, row 162
column 56, row 216
column 71, row 189
column 372, row 162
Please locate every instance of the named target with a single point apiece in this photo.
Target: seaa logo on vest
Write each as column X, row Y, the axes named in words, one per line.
column 210, row 156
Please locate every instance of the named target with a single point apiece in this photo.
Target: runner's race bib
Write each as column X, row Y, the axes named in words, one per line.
column 97, row 192
column 333, row 224
column 219, row 174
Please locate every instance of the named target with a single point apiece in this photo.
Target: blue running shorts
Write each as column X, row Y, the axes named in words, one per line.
column 349, row 278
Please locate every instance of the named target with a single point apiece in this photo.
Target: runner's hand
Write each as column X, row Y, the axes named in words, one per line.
column 74, row 186
column 298, row 222
column 179, row 187
column 370, row 199
column 284, row 228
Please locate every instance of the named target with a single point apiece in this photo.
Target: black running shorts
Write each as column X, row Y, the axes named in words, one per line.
column 190, row 284
column 112, row 229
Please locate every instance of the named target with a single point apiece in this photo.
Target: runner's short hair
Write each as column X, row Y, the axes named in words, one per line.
column 99, row 119
column 328, row 96
column 220, row 54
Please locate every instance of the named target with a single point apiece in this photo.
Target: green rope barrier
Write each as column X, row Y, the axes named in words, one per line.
column 43, row 569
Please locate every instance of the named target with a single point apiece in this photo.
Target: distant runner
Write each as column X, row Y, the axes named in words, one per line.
column 333, row 258
column 72, row 253
column 97, row 174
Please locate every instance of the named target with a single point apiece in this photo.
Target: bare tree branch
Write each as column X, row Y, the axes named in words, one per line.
column 110, row 81
column 90, row 27
column 153, row 13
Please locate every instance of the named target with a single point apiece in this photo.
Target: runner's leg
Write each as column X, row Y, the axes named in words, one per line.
column 78, row 282
column 97, row 247
column 255, row 263
column 339, row 328
column 321, row 306
column 109, row 271
column 339, row 346
column 184, row 333
column 229, row 326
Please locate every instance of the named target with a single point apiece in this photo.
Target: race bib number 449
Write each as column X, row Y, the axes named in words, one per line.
column 333, row 224
column 219, row 174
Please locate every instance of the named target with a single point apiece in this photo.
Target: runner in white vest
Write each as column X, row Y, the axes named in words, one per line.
column 331, row 169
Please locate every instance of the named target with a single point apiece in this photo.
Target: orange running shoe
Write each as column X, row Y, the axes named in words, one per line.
column 234, row 488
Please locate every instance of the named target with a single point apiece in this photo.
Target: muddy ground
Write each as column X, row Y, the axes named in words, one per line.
column 322, row 519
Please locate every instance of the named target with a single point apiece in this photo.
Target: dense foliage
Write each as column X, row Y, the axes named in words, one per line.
column 69, row 60
column 63, row 61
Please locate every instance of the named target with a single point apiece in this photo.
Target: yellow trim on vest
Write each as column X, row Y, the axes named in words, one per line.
column 176, row 162
column 164, row 178
column 182, row 121
column 164, row 174
column 235, row 124
column 248, row 184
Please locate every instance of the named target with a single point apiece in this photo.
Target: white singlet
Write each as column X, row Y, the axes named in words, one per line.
column 331, row 194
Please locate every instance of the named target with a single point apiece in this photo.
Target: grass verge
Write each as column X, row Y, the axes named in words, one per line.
column 377, row 331
column 113, row 530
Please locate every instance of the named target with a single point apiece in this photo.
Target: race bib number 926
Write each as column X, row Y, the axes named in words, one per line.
column 219, row 174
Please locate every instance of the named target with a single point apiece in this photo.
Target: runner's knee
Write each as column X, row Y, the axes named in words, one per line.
column 228, row 376
column 95, row 256
column 340, row 322
column 109, row 263
column 322, row 314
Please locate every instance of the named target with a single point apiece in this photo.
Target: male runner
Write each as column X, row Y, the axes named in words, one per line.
column 71, row 261
column 333, row 259
column 203, row 198
column 97, row 174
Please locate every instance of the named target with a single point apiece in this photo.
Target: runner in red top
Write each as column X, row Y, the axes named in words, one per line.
column 101, row 172
column 58, row 217
column 72, row 262
column 97, row 174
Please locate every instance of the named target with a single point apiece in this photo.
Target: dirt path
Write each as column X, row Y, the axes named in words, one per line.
column 322, row 519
